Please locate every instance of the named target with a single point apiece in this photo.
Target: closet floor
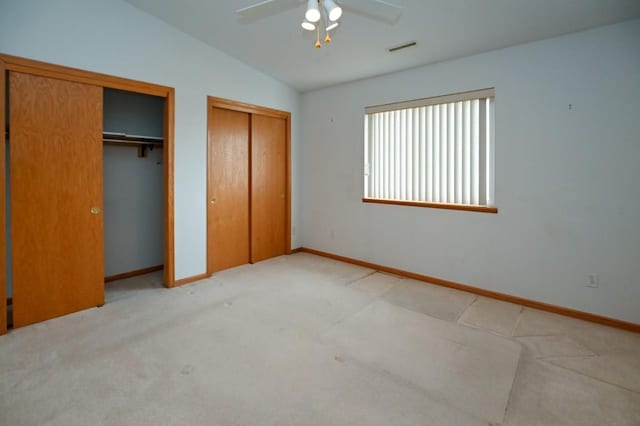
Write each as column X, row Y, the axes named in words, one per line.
column 131, row 287
column 304, row 340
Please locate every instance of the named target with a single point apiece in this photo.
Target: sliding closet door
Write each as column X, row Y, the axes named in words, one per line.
column 228, row 189
column 56, row 197
column 268, row 186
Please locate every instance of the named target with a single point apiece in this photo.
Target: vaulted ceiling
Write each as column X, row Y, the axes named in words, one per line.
column 443, row 29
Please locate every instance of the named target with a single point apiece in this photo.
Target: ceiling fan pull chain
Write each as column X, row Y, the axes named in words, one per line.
column 318, row 44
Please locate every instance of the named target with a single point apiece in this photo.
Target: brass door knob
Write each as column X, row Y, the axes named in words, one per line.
column 95, row 210
column 213, row 200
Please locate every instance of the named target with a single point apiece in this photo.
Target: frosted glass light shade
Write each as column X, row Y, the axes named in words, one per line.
column 308, row 26
column 332, row 26
column 333, row 10
column 313, row 12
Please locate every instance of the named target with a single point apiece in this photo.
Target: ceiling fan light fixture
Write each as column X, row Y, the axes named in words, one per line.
column 313, row 12
column 333, row 10
column 308, row 26
column 332, row 26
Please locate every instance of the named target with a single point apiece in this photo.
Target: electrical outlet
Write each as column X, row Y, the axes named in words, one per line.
column 592, row 281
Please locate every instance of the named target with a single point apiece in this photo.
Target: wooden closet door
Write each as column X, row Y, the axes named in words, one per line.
column 56, row 197
column 228, row 189
column 268, row 187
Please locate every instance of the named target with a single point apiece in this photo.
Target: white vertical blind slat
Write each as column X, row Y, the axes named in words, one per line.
column 397, row 164
column 430, row 160
column 437, row 159
column 409, row 159
column 376, row 170
column 380, row 156
column 444, row 151
column 416, row 155
column 451, row 121
column 466, row 162
column 402, row 165
column 475, row 136
column 392, row 155
column 387, row 155
column 459, row 153
column 423, row 154
column 482, row 151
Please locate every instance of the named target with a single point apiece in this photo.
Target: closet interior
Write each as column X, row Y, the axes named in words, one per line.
column 133, row 194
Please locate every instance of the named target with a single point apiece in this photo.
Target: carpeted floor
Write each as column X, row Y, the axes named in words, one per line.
column 303, row 340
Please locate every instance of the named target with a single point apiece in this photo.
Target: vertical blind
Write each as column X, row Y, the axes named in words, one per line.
column 435, row 150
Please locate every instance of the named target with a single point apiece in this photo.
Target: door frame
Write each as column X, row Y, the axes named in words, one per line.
column 43, row 69
column 212, row 102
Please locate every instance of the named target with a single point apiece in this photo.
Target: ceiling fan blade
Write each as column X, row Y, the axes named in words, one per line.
column 265, row 9
column 375, row 9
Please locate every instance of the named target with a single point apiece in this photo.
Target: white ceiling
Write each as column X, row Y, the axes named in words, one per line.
column 444, row 29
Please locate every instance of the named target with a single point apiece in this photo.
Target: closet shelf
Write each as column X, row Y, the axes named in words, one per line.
column 141, row 142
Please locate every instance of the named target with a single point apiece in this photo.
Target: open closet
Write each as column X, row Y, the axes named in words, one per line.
column 87, row 171
column 132, row 182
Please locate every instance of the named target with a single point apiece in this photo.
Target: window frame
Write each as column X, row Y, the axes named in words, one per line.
column 487, row 93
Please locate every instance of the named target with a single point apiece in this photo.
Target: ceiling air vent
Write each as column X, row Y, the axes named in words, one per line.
column 402, row 46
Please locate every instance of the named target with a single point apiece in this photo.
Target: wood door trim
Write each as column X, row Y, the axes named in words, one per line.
column 191, row 279
column 250, row 181
column 287, row 205
column 135, row 273
column 3, row 249
column 29, row 66
column 169, row 191
column 213, row 101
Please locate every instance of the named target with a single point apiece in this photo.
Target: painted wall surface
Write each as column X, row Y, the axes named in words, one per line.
column 132, row 185
column 133, row 206
column 567, row 180
column 132, row 113
column 113, row 37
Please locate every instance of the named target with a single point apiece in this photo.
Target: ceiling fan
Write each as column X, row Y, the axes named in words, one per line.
column 323, row 14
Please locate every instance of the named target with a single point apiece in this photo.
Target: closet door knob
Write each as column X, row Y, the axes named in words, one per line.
column 95, row 210
column 213, row 200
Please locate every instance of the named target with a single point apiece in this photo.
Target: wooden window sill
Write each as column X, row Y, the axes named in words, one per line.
column 466, row 207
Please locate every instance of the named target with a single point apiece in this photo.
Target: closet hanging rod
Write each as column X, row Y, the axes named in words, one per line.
column 131, row 139
column 130, row 142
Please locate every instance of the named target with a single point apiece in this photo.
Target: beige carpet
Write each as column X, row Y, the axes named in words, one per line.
column 303, row 340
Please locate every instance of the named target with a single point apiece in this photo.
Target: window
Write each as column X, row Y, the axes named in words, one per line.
column 434, row 152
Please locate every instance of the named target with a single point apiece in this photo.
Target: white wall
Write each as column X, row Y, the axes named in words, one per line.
column 113, row 37
column 133, row 207
column 132, row 113
column 567, row 181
